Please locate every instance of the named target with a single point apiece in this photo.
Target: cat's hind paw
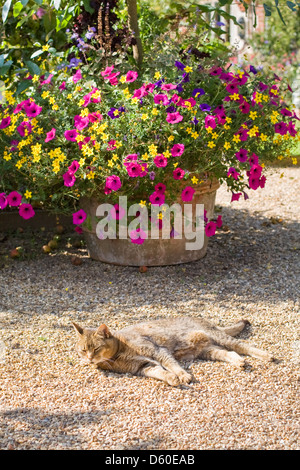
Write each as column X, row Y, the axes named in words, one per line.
column 172, row 379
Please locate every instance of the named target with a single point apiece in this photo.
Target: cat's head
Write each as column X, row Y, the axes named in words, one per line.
column 94, row 345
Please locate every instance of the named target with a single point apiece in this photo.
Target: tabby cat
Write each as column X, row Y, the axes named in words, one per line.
column 153, row 348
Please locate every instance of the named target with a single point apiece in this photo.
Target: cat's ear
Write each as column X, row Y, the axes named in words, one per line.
column 104, row 331
column 78, row 328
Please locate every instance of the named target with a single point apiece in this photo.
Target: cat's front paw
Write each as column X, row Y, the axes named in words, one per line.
column 172, row 379
column 184, row 377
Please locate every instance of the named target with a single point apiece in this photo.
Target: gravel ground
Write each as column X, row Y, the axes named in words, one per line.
column 49, row 400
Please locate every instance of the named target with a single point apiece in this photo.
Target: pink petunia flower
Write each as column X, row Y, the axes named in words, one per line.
column 160, row 161
column 253, row 182
column 232, row 172
column 160, row 188
column 235, row 196
column 291, row 129
column 210, row 121
column 177, row 150
column 113, row 78
column 81, row 122
column 79, row 217
column 134, row 169
column 113, row 182
column 245, row 107
column 256, row 170
column 71, row 135
column 117, row 212
column 210, row 229
column 3, row 201
column 262, row 181
column 5, row 122
column 23, row 127
column 94, row 117
column 138, row 236
column 62, row 86
column 74, row 166
column 107, row 71
column 131, row 76
column 50, row 135
column 140, row 92
column 157, row 199
column 77, row 76
column 32, row 109
column 253, row 159
column 178, row 173
column 174, row 118
column 219, row 221
column 26, row 211
column 78, row 230
column 281, row 128
column 14, row 199
column 241, row 155
column 69, row 179
column 161, row 99
column 168, row 86
column 187, row 194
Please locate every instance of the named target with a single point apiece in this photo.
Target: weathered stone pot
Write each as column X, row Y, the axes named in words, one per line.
column 153, row 252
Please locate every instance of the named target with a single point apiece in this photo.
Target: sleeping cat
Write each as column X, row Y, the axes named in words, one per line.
column 153, row 348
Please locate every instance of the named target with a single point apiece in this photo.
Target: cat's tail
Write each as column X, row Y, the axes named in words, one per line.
column 235, row 329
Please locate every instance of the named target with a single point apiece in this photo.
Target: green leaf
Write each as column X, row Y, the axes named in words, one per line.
column 24, row 2
column 88, row 7
column 39, row 2
column 36, row 53
column 5, row 68
column 32, row 67
column 22, row 86
column 17, row 9
column 268, row 11
column 5, row 10
column 2, row 57
column 291, row 5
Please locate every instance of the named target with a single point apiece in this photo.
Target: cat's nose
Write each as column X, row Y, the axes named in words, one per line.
column 90, row 356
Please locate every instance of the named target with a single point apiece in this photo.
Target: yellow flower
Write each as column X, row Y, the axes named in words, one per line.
column 234, row 97
column 167, row 154
column 144, row 117
column 143, row 203
column 155, row 111
column 265, row 98
column 28, row 194
column 253, row 115
column 263, row 137
column 157, row 75
column 227, row 145
column 45, row 94
column 123, row 79
column 214, row 135
column 19, row 164
column 85, row 113
column 211, row 144
column 46, row 47
column 236, row 138
column 275, row 92
column 35, row 78
column 90, row 175
column 171, row 138
column 188, row 69
column 82, row 162
column 195, row 135
column 258, row 98
column 226, row 126
column 194, row 180
column 51, row 100
column 145, row 156
column 110, row 163
column 135, row 100
column 209, row 129
column 252, row 132
column 188, row 130
column 228, row 119
column 294, row 161
column 118, row 144
column 70, row 96
column 175, row 164
column 115, row 157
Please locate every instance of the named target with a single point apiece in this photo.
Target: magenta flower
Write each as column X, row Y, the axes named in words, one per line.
column 79, row 217
column 81, row 122
column 160, row 188
column 3, row 201
column 157, row 199
column 107, row 71
column 232, row 88
column 210, row 121
column 256, row 170
column 113, row 182
column 131, row 76
column 71, row 135
column 291, row 129
column 113, row 78
column 77, row 76
column 177, row 150
column 245, row 107
column 62, row 86
column 253, row 182
column 23, row 127
column 14, row 199
column 132, row 157
column 262, row 181
column 5, row 122
column 168, row 86
column 232, row 172
column 161, row 99
column 32, row 109
column 94, row 117
column 69, row 179
column 253, row 159
column 241, row 155
column 117, row 212
column 160, row 161
column 286, row 112
column 210, row 229
column 50, row 135
column 26, row 211
column 281, row 128
column 187, row 194
column 219, row 221
column 138, row 236
column 178, row 174
column 78, row 230
column 235, row 196
column 134, row 169
column 174, row 118
column 74, row 166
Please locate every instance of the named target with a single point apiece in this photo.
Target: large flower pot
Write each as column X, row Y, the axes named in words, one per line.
column 153, row 252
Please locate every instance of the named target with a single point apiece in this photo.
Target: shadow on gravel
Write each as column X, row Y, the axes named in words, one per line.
column 251, row 256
